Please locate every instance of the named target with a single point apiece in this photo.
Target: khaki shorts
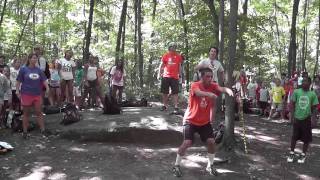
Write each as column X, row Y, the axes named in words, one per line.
column 277, row 106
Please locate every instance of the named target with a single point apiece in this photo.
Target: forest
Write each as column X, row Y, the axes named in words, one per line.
column 263, row 37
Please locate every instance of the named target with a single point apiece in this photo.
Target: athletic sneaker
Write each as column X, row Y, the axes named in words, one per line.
column 176, row 111
column 163, row 108
column 290, row 157
column 302, row 158
column 212, row 170
column 177, row 171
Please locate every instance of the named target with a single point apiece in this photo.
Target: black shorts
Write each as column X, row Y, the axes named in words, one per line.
column 169, row 82
column 263, row 105
column 15, row 98
column 204, row 131
column 93, row 83
column 302, row 130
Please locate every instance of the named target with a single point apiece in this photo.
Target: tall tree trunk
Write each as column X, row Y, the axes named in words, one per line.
column 221, row 31
column 86, row 52
column 316, row 66
column 293, row 44
column 135, row 68
column 140, row 53
column 150, row 68
column 242, row 30
column 186, row 42
column 229, row 115
column 121, row 27
column 3, row 11
column 34, row 27
column 24, row 27
column 84, row 25
column 304, row 39
column 215, row 20
column 279, row 45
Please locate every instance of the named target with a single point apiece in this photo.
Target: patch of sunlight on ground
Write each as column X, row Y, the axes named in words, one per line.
column 77, row 149
column 158, row 123
column 58, row 176
column 91, row 178
column 190, row 164
column 316, row 131
column 38, row 173
column 89, row 171
column 306, row 177
column 197, row 158
column 224, row 171
column 132, row 109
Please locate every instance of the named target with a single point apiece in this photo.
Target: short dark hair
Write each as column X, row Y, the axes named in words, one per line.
column 214, row 47
column 204, row 71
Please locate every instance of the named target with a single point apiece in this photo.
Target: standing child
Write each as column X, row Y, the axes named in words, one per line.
column 277, row 94
column 8, row 93
column 3, row 89
column 54, row 84
column 78, row 83
column 14, row 70
column 304, row 103
column 263, row 99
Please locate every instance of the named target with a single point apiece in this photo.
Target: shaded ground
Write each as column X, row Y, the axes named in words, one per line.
column 141, row 144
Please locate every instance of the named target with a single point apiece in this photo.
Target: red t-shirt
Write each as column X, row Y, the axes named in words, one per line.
column 258, row 92
column 171, row 61
column 198, row 111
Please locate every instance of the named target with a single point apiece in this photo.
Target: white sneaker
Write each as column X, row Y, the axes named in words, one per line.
column 302, row 158
column 290, row 157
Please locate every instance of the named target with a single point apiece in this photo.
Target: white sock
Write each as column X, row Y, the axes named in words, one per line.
column 178, row 160
column 210, row 159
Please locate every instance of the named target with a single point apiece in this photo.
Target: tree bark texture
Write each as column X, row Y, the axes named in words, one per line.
column 120, row 29
column 86, row 52
column 215, row 20
column 304, row 39
column 316, row 66
column 229, row 116
column 140, row 53
column 293, row 44
column 242, row 30
column 221, row 31
column 3, row 11
column 24, row 27
column 150, row 68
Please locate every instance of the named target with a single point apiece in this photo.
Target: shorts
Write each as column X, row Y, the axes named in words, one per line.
column 29, row 100
column 302, row 130
column 15, row 98
column 263, row 105
column 277, row 106
column 204, row 131
column 93, row 83
column 167, row 83
column 77, row 91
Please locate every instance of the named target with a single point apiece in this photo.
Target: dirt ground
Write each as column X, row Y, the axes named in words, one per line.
column 141, row 144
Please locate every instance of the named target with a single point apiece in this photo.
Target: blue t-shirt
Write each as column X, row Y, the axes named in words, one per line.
column 31, row 80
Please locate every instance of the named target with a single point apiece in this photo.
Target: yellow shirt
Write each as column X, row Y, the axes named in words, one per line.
column 277, row 93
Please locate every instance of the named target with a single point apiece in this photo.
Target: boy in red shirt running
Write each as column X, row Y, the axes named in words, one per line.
column 197, row 118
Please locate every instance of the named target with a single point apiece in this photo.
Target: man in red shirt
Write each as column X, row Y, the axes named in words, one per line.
column 197, row 118
column 169, row 71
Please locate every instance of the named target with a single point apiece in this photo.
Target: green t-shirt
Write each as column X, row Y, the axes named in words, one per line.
column 79, row 75
column 303, row 101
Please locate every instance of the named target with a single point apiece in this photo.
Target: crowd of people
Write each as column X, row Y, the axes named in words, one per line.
column 31, row 81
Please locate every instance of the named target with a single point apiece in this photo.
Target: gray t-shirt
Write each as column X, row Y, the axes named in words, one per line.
column 215, row 65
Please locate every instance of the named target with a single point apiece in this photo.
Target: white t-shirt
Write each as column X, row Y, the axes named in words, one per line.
column 252, row 90
column 215, row 65
column 42, row 63
column 66, row 68
column 264, row 94
column 117, row 76
column 92, row 73
column 13, row 77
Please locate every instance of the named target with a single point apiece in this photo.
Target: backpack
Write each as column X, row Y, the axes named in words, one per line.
column 111, row 106
column 16, row 122
column 51, row 109
column 70, row 114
